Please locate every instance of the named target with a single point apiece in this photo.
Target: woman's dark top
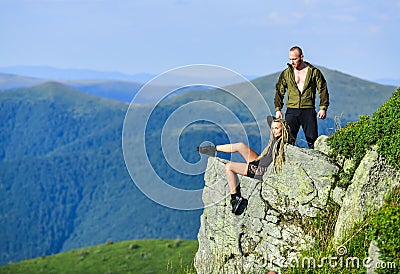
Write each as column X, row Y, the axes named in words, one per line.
column 257, row 168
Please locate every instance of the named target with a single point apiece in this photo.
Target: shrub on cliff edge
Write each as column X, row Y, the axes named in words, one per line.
column 382, row 130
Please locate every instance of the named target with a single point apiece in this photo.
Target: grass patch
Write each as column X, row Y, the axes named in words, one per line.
column 385, row 231
column 136, row 256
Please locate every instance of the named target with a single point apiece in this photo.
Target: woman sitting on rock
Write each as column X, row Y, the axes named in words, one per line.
column 256, row 165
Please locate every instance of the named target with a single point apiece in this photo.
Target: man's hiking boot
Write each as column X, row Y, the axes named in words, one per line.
column 207, row 150
column 236, row 203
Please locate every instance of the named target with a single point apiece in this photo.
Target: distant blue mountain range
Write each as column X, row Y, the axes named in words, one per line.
column 47, row 72
column 75, row 74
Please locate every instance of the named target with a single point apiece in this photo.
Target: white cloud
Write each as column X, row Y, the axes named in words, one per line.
column 297, row 15
column 276, row 18
column 310, row 2
column 374, row 29
column 344, row 18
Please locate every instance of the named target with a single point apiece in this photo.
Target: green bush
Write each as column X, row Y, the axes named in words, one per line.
column 356, row 138
column 386, row 126
column 352, row 141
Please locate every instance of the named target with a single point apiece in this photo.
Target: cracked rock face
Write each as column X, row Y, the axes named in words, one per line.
column 269, row 231
column 372, row 180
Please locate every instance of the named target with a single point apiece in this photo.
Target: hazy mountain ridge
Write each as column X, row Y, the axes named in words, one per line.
column 346, row 91
column 63, row 179
column 48, row 72
column 120, row 90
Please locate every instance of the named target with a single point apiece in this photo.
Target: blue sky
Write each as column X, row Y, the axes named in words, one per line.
column 360, row 38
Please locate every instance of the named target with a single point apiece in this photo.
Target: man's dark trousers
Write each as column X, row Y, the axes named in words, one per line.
column 307, row 119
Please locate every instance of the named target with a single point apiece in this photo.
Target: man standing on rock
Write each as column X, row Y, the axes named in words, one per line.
column 301, row 80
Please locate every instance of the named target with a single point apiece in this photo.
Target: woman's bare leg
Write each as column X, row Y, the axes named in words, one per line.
column 247, row 153
column 231, row 169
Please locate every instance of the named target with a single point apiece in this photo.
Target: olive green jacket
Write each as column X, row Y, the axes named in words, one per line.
column 306, row 99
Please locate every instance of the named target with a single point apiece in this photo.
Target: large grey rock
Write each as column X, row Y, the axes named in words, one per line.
column 270, row 230
column 321, row 144
column 372, row 180
column 337, row 195
column 373, row 254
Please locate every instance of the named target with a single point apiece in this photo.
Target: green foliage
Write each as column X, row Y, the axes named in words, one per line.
column 323, row 225
column 345, row 177
column 383, row 130
column 385, row 231
column 137, row 256
column 386, row 129
column 353, row 140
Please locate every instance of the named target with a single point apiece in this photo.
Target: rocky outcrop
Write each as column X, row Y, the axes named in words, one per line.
column 372, row 180
column 270, row 230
